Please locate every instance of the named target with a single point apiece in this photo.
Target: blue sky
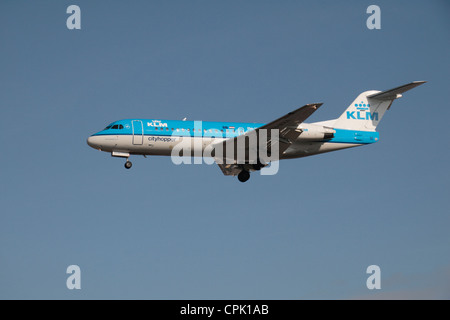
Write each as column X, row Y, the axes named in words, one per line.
column 160, row 231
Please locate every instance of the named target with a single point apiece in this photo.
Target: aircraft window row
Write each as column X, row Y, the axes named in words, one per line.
column 195, row 130
column 119, row 127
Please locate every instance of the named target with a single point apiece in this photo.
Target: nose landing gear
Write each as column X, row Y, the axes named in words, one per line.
column 128, row 164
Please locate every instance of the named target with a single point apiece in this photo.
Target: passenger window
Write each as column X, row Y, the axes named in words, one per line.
column 116, row 126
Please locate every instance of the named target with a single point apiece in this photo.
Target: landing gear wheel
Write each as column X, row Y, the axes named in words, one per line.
column 243, row 176
column 128, row 164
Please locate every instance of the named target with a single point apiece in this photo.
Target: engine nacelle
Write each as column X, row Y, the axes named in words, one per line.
column 311, row 132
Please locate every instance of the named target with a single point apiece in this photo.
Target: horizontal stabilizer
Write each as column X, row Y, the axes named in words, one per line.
column 396, row 92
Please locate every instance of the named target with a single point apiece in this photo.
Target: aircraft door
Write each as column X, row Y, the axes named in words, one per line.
column 138, row 132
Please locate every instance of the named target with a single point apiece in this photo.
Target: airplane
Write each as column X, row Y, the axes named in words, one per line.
column 292, row 138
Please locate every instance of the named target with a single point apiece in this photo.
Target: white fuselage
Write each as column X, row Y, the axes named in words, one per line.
column 162, row 142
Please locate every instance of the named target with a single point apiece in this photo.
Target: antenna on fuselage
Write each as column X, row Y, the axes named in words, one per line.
column 184, row 119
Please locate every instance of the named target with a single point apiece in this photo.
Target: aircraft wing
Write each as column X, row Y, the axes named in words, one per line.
column 288, row 133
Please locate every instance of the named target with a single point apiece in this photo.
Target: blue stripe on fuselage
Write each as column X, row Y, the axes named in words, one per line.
column 180, row 128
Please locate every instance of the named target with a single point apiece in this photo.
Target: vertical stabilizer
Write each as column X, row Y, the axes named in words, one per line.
column 366, row 112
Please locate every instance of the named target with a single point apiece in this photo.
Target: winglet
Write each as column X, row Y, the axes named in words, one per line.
column 396, row 92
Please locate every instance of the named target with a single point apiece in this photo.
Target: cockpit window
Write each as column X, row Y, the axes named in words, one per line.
column 116, row 126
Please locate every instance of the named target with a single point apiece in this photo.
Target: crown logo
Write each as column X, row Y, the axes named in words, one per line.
column 362, row 106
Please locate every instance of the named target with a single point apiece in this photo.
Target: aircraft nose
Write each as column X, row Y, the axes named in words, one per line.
column 94, row 142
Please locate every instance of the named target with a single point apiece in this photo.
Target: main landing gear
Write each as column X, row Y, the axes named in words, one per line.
column 244, row 175
column 128, row 164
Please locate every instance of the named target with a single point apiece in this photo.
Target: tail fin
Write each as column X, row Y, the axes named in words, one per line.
column 369, row 107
